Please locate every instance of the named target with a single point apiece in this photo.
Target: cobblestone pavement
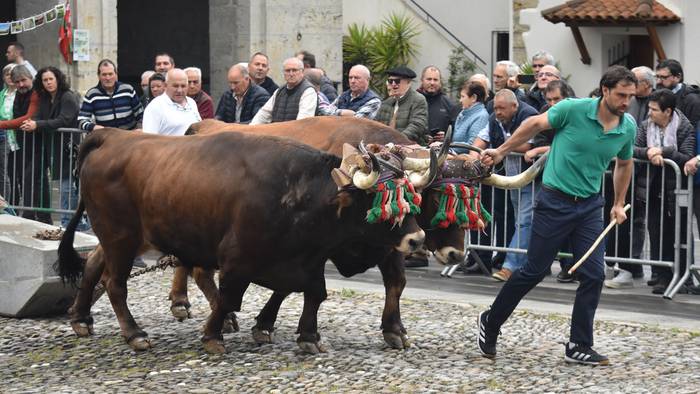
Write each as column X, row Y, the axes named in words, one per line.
column 43, row 355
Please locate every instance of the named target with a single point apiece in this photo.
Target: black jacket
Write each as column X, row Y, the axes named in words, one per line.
column 62, row 147
column 689, row 103
column 253, row 100
column 442, row 112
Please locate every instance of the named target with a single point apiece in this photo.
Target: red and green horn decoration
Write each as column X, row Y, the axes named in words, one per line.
column 393, row 200
column 460, row 205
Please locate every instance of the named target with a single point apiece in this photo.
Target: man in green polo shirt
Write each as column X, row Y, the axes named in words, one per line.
column 589, row 133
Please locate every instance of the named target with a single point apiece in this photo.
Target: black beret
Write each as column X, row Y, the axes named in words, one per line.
column 401, row 71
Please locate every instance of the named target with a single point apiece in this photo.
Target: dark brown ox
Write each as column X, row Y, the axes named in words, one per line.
column 329, row 134
column 261, row 209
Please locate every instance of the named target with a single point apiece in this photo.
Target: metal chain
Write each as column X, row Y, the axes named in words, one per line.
column 162, row 263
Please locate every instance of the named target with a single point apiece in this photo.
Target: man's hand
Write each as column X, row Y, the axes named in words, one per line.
column 651, row 152
column 28, row 126
column 657, row 160
column 691, row 166
column 618, row 213
column 491, row 157
column 98, row 127
column 530, row 155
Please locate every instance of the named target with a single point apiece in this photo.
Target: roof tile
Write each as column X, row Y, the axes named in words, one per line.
column 607, row 12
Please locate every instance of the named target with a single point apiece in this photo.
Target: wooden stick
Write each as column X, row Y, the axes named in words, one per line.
column 597, row 241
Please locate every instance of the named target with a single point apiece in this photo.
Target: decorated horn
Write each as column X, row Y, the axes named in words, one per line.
column 444, row 150
column 365, row 181
column 421, row 179
column 516, row 181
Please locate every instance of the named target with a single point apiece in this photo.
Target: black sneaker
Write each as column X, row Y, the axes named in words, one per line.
column 565, row 277
column 485, row 341
column 583, row 355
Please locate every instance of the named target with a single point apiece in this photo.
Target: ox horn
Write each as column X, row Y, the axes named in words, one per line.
column 516, row 181
column 365, row 181
column 445, row 149
column 422, row 179
column 386, row 164
column 462, row 145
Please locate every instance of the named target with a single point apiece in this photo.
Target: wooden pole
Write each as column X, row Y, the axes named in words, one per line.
column 597, row 241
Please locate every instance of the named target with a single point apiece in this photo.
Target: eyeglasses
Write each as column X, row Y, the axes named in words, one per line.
column 393, row 81
column 663, row 77
column 291, row 70
column 537, row 65
column 546, row 74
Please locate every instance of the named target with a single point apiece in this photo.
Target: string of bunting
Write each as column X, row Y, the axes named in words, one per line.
column 27, row 24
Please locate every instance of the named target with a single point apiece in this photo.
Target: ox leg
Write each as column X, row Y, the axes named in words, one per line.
column 309, row 339
column 119, row 263
column 179, row 303
column 264, row 329
column 394, row 277
column 80, row 318
column 204, row 278
column 232, row 286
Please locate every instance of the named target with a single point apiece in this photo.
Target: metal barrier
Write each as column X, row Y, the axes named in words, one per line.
column 37, row 177
column 624, row 244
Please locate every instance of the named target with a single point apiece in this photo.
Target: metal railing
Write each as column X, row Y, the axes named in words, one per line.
column 37, row 175
column 624, row 245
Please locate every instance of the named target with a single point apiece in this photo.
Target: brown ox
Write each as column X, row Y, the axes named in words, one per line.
column 329, row 134
column 261, row 209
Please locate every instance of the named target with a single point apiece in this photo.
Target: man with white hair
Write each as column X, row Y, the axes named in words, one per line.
column 544, row 75
column 171, row 113
column 243, row 100
column 508, row 114
column 297, row 99
column 505, row 76
column 485, row 82
column 358, row 101
column 639, row 105
column 205, row 105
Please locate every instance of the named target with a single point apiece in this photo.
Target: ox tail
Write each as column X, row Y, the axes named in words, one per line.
column 70, row 265
column 93, row 141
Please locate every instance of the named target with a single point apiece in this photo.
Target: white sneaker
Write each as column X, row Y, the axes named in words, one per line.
column 622, row 280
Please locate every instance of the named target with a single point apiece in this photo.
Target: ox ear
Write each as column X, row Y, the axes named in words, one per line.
column 343, row 200
column 349, row 150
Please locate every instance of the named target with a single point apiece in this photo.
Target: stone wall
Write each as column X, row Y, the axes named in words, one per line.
column 517, row 42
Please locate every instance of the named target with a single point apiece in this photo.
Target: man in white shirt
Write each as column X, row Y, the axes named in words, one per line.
column 15, row 54
column 171, row 113
column 295, row 100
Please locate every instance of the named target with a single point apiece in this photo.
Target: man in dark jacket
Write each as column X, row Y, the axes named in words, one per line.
column 639, row 105
column 243, row 100
column 535, row 96
column 669, row 75
column 258, row 67
column 442, row 112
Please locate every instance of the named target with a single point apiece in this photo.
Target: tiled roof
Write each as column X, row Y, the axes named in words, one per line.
column 610, row 12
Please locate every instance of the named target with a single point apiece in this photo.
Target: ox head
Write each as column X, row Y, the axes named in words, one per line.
column 364, row 192
column 457, row 182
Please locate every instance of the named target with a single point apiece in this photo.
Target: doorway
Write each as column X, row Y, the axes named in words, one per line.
column 177, row 27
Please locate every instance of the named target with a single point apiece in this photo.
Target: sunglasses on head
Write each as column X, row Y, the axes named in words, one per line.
column 393, row 81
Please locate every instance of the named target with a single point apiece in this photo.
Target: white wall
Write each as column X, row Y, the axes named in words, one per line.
column 458, row 16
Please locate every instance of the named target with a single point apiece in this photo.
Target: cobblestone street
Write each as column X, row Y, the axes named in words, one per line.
column 43, row 355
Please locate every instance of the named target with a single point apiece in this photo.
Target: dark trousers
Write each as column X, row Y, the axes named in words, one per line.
column 556, row 219
column 664, row 249
column 502, row 223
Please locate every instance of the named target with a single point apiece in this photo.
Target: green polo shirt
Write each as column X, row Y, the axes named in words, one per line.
column 581, row 150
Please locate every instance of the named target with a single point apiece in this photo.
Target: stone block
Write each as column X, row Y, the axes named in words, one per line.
column 29, row 286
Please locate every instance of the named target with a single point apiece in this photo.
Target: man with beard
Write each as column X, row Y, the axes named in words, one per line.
column 258, row 67
column 441, row 109
column 589, row 133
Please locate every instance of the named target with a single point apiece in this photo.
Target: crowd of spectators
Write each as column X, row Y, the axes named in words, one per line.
column 34, row 104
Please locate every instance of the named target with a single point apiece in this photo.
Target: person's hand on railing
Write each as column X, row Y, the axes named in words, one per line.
column 691, row 166
column 28, row 126
column 530, row 155
column 491, row 157
column 654, row 156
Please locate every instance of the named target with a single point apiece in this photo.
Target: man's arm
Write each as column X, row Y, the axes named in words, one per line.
column 31, row 111
column 307, row 104
column 527, row 130
column 621, row 181
column 417, row 127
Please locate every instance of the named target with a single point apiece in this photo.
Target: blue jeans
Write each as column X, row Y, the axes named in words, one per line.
column 69, row 200
column 521, row 201
column 556, row 219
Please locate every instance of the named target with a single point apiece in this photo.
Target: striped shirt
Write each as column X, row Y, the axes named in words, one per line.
column 122, row 109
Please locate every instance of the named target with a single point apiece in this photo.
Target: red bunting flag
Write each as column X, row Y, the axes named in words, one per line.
column 65, row 36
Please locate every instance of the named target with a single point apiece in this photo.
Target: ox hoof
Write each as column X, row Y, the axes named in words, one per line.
column 397, row 341
column 82, row 329
column 180, row 312
column 312, row 347
column 214, row 346
column 231, row 324
column 262, row 337
column 140, row 343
